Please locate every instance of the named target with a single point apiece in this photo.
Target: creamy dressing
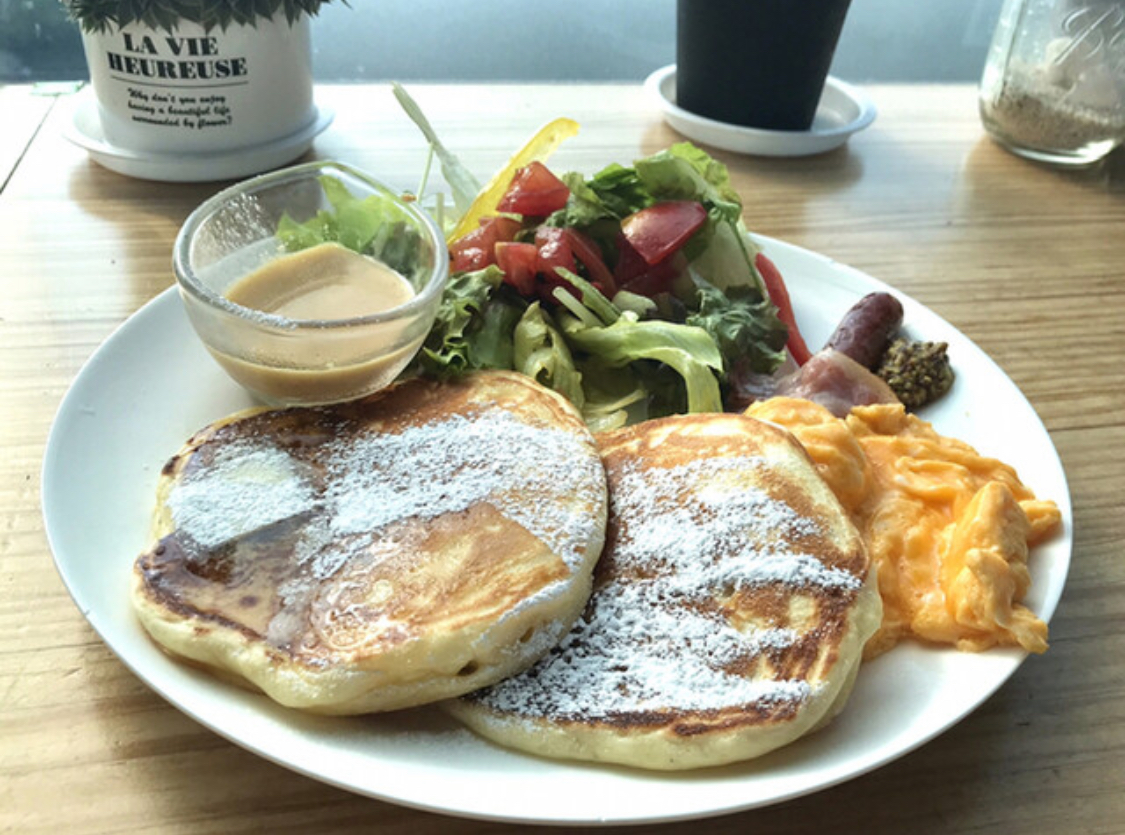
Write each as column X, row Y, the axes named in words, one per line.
column 329, row 383
column 323, row 282
column 326, row 281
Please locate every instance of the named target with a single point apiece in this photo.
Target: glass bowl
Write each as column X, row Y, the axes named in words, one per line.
column 341, row 351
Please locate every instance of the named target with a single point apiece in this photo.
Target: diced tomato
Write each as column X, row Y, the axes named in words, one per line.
column 630, row 264
column 532, row 267
column 519, row 263
column 634, row 274
column 534, row 191
column 468, row 259
column 477, row 249
column 661, row 229
column 588, row 254
column 779, row 295
column 658, row 278
column 504, row 228
column 554, row 251
column 568, row 248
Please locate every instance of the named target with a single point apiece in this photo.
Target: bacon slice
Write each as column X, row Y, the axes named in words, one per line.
column 836, row 382
column 829, row 378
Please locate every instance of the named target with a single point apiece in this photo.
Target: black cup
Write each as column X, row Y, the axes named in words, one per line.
column 756, row 63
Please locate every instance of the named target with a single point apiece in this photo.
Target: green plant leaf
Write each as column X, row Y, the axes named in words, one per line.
column 165, row 15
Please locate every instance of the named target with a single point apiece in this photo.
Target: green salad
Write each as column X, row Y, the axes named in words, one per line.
column 633, row 292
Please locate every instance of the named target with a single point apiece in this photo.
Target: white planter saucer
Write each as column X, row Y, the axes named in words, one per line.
column 85, row 130
column 843, row 110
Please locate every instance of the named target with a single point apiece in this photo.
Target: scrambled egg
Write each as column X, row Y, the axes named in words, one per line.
column 948, row 529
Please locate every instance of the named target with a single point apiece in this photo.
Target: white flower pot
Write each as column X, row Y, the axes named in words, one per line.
column 197, row 92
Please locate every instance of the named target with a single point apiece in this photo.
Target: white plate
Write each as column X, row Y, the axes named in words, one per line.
column 151, row 385
column 843, row 110
column 84, row 129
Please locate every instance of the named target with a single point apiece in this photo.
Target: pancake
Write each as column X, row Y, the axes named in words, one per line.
column 729, row 613
column 412, row 546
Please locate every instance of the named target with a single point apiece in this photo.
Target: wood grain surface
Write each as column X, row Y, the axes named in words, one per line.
column 1028, row 261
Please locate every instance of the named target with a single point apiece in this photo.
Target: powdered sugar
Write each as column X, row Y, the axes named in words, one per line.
column 634, row 653
column 726, row 536
column 364, row 482
column 248, row 487
column 435, row 469
column 652, row 638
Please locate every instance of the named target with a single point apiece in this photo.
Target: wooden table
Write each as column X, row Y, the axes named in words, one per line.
column 1029, row 262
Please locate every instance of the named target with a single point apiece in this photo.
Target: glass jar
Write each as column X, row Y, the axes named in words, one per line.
column 1053, row 87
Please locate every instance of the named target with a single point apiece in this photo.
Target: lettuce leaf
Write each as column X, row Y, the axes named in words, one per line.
column 318, row 229
column 491, row 344
column 474, row 325
column 372, row 225
column 542, row 354
column 675, row 174
column 690, row 351
column 727, row 259
column 464, row 185
column 744, row 326
column 712, row 171
column 617, row 339
column 615, row 397
column 720, row 252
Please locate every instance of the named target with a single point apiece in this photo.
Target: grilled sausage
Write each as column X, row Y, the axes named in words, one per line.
column 866, row 329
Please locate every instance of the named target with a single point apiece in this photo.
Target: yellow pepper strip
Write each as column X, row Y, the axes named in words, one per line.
column 537, row 149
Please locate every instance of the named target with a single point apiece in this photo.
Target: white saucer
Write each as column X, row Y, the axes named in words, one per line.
column 85, row 131
column 843, row 110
